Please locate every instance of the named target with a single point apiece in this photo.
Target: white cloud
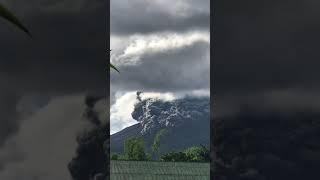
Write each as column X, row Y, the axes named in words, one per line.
column 194, row 93
column 140, row 45
column 121, row 110
column 162, row 96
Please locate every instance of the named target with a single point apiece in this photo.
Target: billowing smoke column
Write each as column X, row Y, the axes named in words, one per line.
column 92, row 153
column 9, row 123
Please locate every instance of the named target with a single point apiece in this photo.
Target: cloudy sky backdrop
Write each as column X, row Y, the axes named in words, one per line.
column 162, row 48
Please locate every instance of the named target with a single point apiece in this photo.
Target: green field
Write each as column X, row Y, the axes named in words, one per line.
column 148, row 170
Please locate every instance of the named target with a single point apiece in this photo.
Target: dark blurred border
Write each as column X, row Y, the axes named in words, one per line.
column 264, row 143
column 212, row 93
column 108, row 82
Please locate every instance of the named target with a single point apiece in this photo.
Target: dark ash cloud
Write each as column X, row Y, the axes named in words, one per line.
column 66, row 56
column 267, row 145
column 145, row 17
column 92, row 152
column 189, row 66
column 267, row 45
column 266, row 89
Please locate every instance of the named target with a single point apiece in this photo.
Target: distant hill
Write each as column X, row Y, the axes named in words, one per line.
column 186, row 120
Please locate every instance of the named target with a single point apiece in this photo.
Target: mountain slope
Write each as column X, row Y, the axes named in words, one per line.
column 186, row 121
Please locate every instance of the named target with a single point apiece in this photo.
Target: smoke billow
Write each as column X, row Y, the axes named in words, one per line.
column 267, row 145
column 91, row 158
column 9, row 116
column 44, row 141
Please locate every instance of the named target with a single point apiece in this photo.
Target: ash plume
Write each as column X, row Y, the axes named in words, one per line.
column 91, row 157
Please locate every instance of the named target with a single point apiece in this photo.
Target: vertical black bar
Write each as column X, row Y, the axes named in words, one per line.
column 108, row 87
column 212, row 93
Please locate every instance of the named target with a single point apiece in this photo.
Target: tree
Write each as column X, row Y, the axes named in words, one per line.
column 156, row 142
column 198, row 154
column 114, row 157
column 192, row 154
column 174, row 157
column 134, row 149
column 113, row 67
column 7, row 15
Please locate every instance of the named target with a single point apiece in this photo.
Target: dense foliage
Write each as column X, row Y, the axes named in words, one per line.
column 197, row 154
column 192, row 154
column 134, row 149
column 174, row 157
column 156, row 142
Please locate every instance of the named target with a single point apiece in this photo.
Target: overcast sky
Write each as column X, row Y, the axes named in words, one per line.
column 162, row 48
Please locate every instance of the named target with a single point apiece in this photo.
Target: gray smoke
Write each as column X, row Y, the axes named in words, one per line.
column 267, row 145
column 45, row 141
column 92, row 151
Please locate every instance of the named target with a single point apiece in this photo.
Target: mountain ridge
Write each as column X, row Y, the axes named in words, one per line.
column 186, row 121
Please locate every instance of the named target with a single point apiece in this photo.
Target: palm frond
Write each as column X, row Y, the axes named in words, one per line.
column 113, row 67
column 7, row 15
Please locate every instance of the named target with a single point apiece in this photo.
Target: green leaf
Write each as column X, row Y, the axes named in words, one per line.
column 113, row 67
column 7, row 15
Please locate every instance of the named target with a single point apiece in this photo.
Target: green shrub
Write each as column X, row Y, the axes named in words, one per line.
column 134, row 149
column 174, row 157
column 192, row 154
column 114, row 157
column 198, row 154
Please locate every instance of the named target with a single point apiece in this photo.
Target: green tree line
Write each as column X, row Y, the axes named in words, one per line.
column 134, row 150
